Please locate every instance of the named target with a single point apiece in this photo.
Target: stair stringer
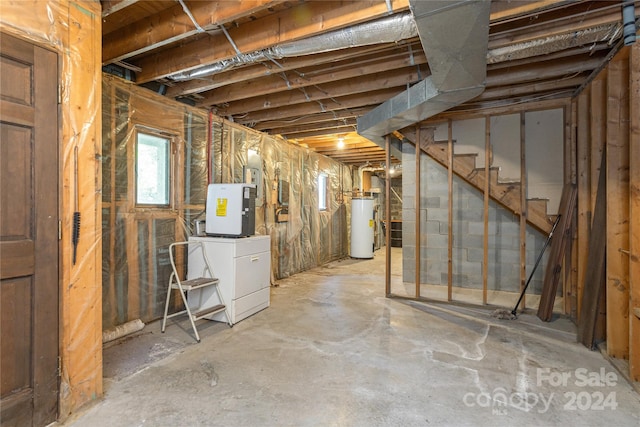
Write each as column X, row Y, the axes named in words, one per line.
column 505, row 194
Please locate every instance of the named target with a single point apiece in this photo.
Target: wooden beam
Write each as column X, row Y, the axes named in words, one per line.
column 485, row 216
column 593, row 296
column 356, row 85
column 634, row 213
column 511, row 108
column 584, row 188
column 597, row 132
column 543, row 71
column 112, row 6
column 387, row 214
column 564, row 25
column 549, row 57
column 617, row 146
column 322, row 106
column 417, row 204
column 529, row 88
column 404, row 63
column 331, row 130
column 273, row 127
column 561, row 237
column 523, row 207
column 173, row 24
column 316, row 126
column 338, row 153
column 331, row 144
column 265, row 68
column 300, row 21
column 450, row 209
column 318, row 61
column 570, row 258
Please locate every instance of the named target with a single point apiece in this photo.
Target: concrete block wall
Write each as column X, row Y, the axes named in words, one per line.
column 468, row 231
column 396, row 201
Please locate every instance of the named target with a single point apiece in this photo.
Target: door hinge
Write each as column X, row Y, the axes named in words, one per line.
column 59, row 230
column 59, row 94
column 59, row 366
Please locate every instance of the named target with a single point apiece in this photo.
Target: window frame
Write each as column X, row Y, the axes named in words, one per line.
column 170, row 192
column 323, row 192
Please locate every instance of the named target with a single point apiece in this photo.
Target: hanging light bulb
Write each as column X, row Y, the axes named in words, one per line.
column 340, row 143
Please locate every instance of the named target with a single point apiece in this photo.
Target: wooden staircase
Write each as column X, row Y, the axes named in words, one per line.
column 505, row 193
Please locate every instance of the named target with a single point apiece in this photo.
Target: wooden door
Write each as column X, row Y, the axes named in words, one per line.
column 28, row 234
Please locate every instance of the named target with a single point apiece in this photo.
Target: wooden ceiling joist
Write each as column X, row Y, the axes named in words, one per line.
column 540, row 53
column 394, row 78
column 279, row 83
column 353, row 101
column 265, row 68
column 173, row 24
column 273, row 29
column 275, row 126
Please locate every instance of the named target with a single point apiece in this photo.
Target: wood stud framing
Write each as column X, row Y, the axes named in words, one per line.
column 450, row 213
column 584, row 189
column 387, row 214
column 485, row 242
column 524, row 208
column 417, row 203
column 634, row 214
column 618, row 207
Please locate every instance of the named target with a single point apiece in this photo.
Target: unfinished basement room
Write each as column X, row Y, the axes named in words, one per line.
column 319, row 213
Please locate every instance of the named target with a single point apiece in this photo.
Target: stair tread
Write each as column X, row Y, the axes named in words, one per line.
column 506, row 192
column 196, row 283
column 209, row 310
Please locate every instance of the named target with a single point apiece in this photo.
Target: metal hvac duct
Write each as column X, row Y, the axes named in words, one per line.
column 386, row 30
column 455, row 38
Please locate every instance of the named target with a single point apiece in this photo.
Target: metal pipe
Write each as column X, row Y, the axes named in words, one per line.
column 233, row 44
column 188, row 12
column 628, row 22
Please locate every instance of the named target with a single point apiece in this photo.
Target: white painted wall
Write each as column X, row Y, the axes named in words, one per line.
column 468, row 136
column 505, row 143
column 544, row 133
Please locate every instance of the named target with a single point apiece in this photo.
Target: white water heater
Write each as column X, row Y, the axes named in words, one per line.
column 362, row 227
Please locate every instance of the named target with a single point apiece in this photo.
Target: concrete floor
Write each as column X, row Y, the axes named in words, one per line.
column 333, row 351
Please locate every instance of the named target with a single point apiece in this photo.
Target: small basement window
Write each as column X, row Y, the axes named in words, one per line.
column 322, row 191
column 152, row 169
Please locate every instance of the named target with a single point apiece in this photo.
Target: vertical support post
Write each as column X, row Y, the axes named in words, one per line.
column 571, row 256
column 618, row 206
column 634, row 213
column 132, row 302
column 450, row 240
column 487, row 179
column 113, row 209
column 387, row 214
column 523, row 208
column 584, row 189
column 598, row 131
column 417, row 206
